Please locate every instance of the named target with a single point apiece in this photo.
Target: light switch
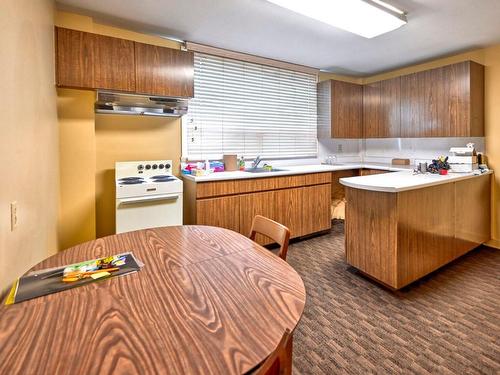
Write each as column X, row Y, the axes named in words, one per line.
column 13, row 215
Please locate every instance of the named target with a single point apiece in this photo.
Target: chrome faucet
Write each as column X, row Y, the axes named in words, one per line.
column 256, row 162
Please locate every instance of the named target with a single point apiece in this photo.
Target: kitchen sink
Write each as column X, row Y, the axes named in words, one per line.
column 264, row 170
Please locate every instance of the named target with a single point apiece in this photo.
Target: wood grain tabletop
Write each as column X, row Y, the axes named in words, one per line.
column 208, row 301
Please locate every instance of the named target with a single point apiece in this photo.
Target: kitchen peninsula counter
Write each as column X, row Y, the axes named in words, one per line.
column 403, row 180
column 400, row 227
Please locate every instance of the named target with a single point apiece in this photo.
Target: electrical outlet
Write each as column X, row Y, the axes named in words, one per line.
column 340, row 148
column 13, row 215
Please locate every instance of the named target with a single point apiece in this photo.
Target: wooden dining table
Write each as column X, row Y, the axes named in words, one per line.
column 207, row 301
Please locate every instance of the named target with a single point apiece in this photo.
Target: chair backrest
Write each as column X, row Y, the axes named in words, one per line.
column 275, row 231
column 277, row 362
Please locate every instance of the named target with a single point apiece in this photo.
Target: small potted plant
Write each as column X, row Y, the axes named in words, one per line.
column 439, row 165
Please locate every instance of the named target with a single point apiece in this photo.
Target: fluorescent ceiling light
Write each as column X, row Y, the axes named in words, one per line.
column 367, row 18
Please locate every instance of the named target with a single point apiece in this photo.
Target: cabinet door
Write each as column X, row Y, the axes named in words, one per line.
column 371, row 110
column 114, row 63
column 476, row 120
column 443, row 102
column 390, row 108
column 219, row 212
column 74, row 58
column 164, row 71
column 410, row 119
column 315, row 209
column 256, row 204
column 287, row 208
column 424, row 104
column 346, row 110
column 455, row 101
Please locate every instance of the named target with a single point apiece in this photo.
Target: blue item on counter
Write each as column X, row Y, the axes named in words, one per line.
column 217, row 166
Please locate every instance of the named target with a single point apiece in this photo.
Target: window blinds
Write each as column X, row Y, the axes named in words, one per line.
column 249, row 109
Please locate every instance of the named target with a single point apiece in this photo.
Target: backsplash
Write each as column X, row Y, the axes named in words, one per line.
column 384, row 150
column 347, row 150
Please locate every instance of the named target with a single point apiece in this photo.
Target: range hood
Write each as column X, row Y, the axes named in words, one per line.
column 134, row 104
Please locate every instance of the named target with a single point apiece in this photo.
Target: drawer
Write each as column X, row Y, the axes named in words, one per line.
column 318, row 178
column 290, row 181
column 255, row 184
column 215, row 189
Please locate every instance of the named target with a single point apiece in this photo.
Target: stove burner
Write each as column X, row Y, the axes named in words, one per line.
column 131, row 179
column 132, row 182
column 163, row 178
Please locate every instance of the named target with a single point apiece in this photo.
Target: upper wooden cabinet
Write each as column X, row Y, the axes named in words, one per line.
column 74, row 58
column 340, row 108
column 164, row 71
column 443, row 102
column 382, row 109
column 114, row 63
column 92, row 61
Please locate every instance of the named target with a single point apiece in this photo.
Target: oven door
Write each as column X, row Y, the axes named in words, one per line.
column 148, row 212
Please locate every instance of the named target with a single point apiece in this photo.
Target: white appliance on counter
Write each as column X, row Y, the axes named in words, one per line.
column 464, row 159
column 147, row 195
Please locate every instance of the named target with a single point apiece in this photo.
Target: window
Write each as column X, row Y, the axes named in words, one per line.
column 249, row 109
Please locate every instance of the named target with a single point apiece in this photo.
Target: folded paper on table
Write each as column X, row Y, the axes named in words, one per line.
column 57, row 279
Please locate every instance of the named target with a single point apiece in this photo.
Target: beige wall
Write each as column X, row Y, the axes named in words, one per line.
column 84, row 23
column 490, row 58
column 129, row 138
column 29, row 140
column 90, row 145
column 107, row 132
column 77, row 159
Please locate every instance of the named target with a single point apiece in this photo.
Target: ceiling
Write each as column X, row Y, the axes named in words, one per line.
column 435, row 28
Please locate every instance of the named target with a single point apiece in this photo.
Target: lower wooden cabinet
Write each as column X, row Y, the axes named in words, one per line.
column 288, row 204
column 302, row 203
column 256, row 204
column 315, row 210
column 220, row 212
column 397, row 238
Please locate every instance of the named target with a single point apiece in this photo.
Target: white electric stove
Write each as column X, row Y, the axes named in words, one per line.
column 147, row 195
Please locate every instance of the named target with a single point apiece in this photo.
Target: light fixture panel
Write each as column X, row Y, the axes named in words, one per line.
column 367, row 18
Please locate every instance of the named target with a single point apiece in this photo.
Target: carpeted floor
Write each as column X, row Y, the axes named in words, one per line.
column 447, row 323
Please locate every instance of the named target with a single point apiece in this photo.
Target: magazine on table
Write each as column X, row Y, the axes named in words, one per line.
column 42, row 282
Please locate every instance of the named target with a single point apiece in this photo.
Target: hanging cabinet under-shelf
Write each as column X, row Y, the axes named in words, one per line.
column 92, row 61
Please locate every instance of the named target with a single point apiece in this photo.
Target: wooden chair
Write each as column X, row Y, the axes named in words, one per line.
column 280, row 361
column 275, row 231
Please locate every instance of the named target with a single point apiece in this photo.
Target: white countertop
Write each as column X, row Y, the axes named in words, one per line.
column 404, row 180
column 296, row 169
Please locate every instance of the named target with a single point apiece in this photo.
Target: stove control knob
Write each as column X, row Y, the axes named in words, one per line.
column 167, row 166
column 155, row 166
column 140, row 167
column 161, row 166
column 148, row 166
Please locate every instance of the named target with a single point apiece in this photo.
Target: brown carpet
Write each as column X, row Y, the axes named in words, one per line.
column 447, row 323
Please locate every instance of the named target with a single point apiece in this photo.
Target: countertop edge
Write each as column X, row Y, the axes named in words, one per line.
column 396, row 189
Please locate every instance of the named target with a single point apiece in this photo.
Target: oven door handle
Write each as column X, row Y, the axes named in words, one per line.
column 153, row 198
